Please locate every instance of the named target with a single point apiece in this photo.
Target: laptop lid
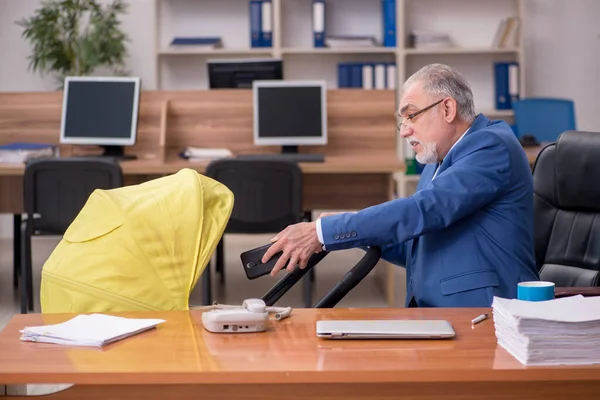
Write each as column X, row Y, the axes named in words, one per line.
column 385, row 329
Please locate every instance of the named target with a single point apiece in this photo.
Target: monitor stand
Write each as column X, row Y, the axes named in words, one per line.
column 117, row 152
column 288, row 153
column 290, row 149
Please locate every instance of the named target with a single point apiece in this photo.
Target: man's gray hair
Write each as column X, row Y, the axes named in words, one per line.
column 443, row 80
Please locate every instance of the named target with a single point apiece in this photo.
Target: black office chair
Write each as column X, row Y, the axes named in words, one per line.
column 54, row 191
column 566, row 178
column 268, row 198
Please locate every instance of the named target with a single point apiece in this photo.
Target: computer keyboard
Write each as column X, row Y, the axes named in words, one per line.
column 290, row 157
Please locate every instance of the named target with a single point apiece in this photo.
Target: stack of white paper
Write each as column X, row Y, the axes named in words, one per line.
column 88, row 330
column 350, row 41
column 204, row 154
column 430, row 40
column 560, row 331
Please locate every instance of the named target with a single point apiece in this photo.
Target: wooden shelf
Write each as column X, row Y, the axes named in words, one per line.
column 340, row 50
column 190, row 50
column 462, row 50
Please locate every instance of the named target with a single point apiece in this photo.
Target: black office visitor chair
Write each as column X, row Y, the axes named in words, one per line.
column 54, row 191
column 566, row 178
column 268, row 198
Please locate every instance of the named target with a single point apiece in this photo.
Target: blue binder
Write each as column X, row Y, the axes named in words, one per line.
column 255, row 23
column 343, row 75
column 506, row 84
column 356, row 75
column 196, row 41
column 318, row 9
column 388, row 11
column 266, row 35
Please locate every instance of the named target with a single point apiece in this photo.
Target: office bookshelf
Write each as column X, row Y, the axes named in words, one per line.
column 471, row 24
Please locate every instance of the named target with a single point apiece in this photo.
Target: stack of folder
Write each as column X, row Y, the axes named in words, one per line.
column 561, row 331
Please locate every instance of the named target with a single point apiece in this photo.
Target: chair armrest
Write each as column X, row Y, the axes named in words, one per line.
column 573, row 291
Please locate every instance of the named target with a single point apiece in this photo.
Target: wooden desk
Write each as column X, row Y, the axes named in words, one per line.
column 341, row 182
column 180, row 360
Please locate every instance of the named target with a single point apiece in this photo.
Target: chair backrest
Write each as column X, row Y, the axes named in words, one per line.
column 544, row 118
column 566, row 179
column 267, row 193
column 58, row 188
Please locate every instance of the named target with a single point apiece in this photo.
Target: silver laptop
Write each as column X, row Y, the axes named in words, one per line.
column 385, row 329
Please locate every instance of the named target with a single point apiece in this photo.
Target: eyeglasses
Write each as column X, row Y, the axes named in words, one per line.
column 400, row 119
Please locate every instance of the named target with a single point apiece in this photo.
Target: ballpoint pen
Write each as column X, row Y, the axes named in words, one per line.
column 479, row 319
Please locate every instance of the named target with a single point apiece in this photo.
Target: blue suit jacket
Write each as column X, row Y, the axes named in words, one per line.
column 466, row 235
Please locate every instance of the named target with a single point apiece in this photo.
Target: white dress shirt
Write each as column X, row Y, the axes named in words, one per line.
column 318, row 224
column 440, row 163
column 320, row 232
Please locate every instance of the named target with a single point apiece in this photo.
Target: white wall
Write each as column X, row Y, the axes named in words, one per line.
column 563, row 54
column 561, row 38
column 14, row 75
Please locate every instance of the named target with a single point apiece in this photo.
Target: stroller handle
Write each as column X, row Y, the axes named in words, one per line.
column 351, row 279
column 337, row 293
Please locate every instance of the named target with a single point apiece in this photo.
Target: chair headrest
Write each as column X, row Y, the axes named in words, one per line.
column 567, row 173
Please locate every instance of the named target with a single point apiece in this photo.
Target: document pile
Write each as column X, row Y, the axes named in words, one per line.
column 350, row 41
column 203, row 154
column 553, row 332
column 430, row 40
column 18, row 153
column 88, row 330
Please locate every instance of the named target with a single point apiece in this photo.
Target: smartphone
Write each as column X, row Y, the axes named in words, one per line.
column 254, row 267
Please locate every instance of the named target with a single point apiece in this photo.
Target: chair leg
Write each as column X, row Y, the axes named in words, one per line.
column 220, row 267
column 16, row 274
column 29, row 265
column 26, row 270
column 16, row 249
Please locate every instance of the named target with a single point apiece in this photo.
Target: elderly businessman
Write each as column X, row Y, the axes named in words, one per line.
column 466, row 235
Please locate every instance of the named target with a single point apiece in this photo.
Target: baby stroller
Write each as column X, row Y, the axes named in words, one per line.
column 143, row 248
column 338, row 292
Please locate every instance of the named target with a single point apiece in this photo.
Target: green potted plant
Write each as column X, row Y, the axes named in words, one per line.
column 76, row 37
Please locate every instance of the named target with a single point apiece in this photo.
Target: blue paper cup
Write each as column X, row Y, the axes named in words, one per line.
column 535, row 291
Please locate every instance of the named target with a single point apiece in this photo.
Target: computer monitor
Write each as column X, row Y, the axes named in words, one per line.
column 101, row 111
column 239, row 74
column 290, row 113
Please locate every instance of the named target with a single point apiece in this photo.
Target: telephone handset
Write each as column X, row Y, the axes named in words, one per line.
column 251, row 316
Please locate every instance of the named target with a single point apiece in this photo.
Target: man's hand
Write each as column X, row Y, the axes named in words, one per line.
column 298, row 243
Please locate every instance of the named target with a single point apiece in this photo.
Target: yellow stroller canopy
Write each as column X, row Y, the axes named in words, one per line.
column 140, row 247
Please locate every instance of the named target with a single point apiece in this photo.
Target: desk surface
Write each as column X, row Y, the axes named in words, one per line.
column 180, row 351
column 335, row 164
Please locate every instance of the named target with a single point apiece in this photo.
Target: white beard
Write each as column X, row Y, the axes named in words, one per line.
column 428, row 155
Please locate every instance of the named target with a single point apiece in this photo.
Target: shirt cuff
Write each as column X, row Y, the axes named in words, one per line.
column 320, row 232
